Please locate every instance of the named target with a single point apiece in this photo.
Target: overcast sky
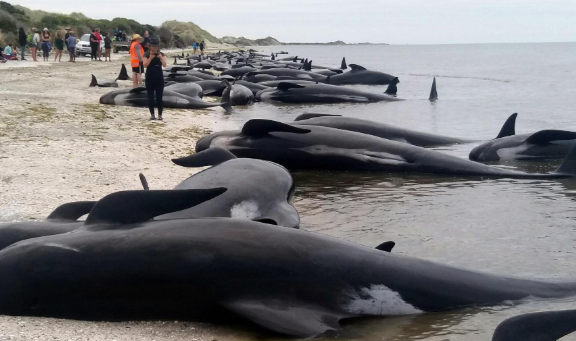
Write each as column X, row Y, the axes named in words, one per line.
column 376, row 21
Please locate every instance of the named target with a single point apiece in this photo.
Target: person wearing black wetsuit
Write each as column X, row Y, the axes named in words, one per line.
column 154, row 60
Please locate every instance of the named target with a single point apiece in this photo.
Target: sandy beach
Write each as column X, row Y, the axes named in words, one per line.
column 58, row 144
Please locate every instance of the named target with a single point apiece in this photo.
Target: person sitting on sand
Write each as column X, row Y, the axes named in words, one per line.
column 9, row 53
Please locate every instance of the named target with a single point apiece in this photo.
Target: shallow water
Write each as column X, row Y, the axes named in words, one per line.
column 522, row 228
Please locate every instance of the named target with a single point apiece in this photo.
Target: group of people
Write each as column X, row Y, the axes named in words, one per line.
column 40, row 40
column 95, row 43
column 200, row 46
column 120, row 35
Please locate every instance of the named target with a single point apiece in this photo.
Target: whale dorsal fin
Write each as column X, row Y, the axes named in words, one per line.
column 94, row 82
column 311, row 115
column 260, row 127
column 284, row 86
column 131, row 207
column 547, row 136
column 71, row 211
column 123, row 76
column 144, row 182
column 343, row 65
column 433, row 91
column 509, row 127
column 356, row 67
column 209, row 157
column 386, row 246
column 137, row 90
column 301, row 320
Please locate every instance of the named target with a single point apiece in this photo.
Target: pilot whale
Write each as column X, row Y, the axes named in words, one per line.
column 123, row 266
column 313, row 147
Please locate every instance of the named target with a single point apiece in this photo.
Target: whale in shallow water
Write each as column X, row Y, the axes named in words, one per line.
column 318, row 93
column 138, row 97
column 359, row 75
column 122, row 266
column 382, row 130
column 235, row 94
column 299, row 147
column 541, row 326
column 63, row 219
column 544, row 144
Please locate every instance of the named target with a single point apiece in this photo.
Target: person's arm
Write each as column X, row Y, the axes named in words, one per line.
column 163, row 59
column 147, row 60
column 92, row 39
column 138, row 49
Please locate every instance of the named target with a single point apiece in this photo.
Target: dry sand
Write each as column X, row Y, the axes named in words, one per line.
column 58, row 144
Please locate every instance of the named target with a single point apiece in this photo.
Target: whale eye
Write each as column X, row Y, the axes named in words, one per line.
column 267, row 221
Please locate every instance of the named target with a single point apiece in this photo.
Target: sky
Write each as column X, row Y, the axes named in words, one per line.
column 375, row 21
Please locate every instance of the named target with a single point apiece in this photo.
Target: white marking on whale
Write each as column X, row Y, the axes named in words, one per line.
column 378, row 300
column 246, row 210
column 61, row 246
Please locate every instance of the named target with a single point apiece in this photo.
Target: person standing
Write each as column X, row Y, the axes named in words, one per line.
column 145, row 41
column 68, row 29
column 195, row 47
column 46, row 45
column 136, row 61
column 71, row 41
column 93, row 45
column 154, row 61
column 107, row 47
column 35, row 43
column 22, row 39
column 202, row 48
column 99, row 38
column 59, row 45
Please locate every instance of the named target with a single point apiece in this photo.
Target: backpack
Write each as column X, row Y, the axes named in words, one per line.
column 30, row 38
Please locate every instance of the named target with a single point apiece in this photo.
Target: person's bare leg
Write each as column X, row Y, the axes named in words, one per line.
column 139, row 79
column 135, row 79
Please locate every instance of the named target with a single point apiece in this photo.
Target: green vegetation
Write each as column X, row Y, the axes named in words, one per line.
column 171, row 33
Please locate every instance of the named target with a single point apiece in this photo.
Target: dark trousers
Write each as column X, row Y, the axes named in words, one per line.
column 94, row 47
column 158, row 88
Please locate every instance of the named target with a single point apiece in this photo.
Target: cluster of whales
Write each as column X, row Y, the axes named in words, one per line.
column 246, row 77
column 227, row 239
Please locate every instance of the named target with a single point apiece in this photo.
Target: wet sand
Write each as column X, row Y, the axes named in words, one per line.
column 58, row 144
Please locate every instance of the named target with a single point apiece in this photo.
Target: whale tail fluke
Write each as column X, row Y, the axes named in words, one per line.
column 94, row 82
column 568, row 166
column 71, row 211
column 509, row 127
column 144, row 182
column 343, row 66
column 209, row 157
column 123, row 76
column 433, row 93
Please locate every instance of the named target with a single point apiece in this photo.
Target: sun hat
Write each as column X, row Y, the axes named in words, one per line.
column 45, row 28
column 136, row 36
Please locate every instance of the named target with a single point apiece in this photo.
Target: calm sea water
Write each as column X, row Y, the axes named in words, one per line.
column 522, row 228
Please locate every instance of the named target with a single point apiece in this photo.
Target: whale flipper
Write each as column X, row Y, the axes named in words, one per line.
column 260, row 127
column 343, row 65
column 386, row 246
column 547, row 136
column 287, row 86
column 131, row 207
column 71, row 211
column 225, row 100
column 144, row 182
column 509, row 127
column 311, row 115
column 94, row 82
column 433, row 92
column 568, row 166
column 356, row 68
column 541, row 326
column 284, row 317
column 123, row 76
column 209, row 157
